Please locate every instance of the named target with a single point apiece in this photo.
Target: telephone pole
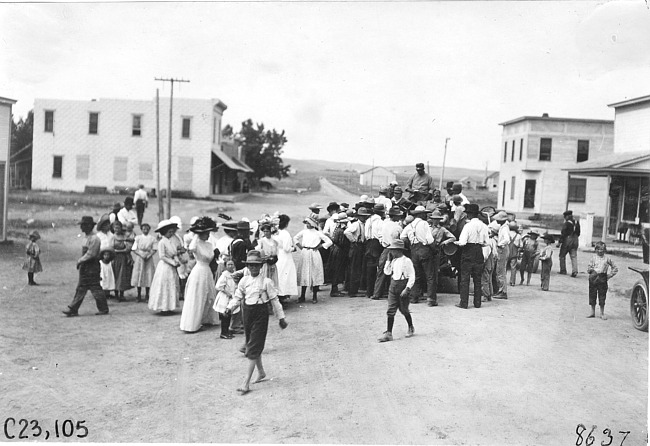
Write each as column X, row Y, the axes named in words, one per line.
column 444, row 158
column 169, row 150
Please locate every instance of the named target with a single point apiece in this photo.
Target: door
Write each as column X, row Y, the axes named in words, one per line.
column 529, row 194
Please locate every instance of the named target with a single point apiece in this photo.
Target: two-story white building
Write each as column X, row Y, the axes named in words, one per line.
column 111, row 143
column 535, row 153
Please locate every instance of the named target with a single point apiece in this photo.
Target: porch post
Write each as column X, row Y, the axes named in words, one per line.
column 607, row 206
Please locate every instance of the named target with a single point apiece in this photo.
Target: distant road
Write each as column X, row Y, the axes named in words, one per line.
column 335, row 193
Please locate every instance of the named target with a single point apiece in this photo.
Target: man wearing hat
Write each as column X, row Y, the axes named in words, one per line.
column 399, row 200
column 127, row 214
column 373, row 246
column 355, row 233
column 569, row 243
column 457, row 189
column 338, row 254
column 315, row 208
column 441, row 237
column 418, row 233
column 390, row 231
column 383, row 198
column 420, row 185
column 89, row 271
column 330, row 223
column 141, row 202
column 503, row 254
column 391, row 188
column 241, row 244
column 472, row 240
column 402, row 274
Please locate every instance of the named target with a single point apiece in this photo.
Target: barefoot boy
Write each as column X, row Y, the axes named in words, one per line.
column 601, row 268
column 402, row 277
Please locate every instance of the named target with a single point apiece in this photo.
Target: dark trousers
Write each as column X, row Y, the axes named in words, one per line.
column 325, row 256
column 225, row 324
column 421, row 258
column 598, row 289
column 89, row 280
column 382, row 280
column 372, row 254
column 395, row 301
column 356, row 257
column 433, row 289
column 569, row 246
column 545, row 274
column 139, row 210
column 471, row 266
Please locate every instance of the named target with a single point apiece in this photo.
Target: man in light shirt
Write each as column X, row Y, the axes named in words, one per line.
column 127, row 214
column 472, row 239
column 383, row 198
column 141, row 202
column 503, row 243
column 373, row 246
column 390, row 231
column 400, row 269
column 418, row 233
column 355, row 233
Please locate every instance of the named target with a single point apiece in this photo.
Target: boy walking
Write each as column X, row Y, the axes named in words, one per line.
column 601, row 268
column 400, row 269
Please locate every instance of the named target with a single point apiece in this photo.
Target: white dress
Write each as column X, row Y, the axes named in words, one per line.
column 200, row 292
column 165, row 289
column 287, row 277
column 107, row 277
column 310, row 271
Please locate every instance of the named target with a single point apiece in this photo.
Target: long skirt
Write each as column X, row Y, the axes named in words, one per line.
column 33, row 265
column 287, row 276
column 122, row 268
column 310, row 272
column 165, row 289
column 143, row 271
column 198, row 291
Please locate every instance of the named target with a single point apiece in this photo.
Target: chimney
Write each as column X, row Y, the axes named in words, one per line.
column 545, row 115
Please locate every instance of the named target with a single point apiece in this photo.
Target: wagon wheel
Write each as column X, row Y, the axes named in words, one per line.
column 488, row 212
column 639, row 306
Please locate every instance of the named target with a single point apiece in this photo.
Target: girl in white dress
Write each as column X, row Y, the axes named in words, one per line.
column 199, row 290
column 143, row 268
column 268, row 247
column 310, row 272
column 287, row 276
column 106, row 241
column 225, row 290
column 165, row 288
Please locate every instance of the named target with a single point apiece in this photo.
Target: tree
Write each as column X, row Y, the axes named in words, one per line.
column 262, row 150
column 22, row 132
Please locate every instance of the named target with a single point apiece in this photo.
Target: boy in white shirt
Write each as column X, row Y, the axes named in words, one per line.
column 402, row 273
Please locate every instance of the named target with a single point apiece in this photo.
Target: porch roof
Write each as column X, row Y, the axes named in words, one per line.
column 232, row 163
column 622, row 164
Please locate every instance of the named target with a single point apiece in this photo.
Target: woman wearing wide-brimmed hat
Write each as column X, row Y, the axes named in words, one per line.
column 254, row 292
column 310, row 271
column 165, row 288
column 200, row 292
column 287, row 275
column 268, row 246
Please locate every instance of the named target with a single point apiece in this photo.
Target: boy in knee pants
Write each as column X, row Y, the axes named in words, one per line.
column 402, row 274
column 601, row 268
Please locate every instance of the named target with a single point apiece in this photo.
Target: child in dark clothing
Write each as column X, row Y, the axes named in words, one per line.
column 32, row 263
column 530, row 252
column 601, row 268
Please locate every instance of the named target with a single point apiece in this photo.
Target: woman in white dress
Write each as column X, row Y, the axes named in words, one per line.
column 199, row 290
column 310, row 272
column 165, row 289
column 287, row 276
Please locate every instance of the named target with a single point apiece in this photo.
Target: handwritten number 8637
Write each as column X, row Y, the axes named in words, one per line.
column 590, row 439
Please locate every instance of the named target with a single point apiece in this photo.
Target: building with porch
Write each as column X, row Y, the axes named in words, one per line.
column 111, row 144
column 626, row 172
column 536, row 152
column 6, row 105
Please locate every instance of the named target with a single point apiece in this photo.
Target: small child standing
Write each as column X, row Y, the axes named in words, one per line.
column 601, row 268
column 546, row 260
column 402, row 278
column 106, row 276
column 530, row 252
column 226, row 287
column 32, row 263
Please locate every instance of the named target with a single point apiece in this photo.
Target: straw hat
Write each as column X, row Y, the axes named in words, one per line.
column 500, row 216
column 165, row 225
column 254, row 258
column 419, row 210
column 396, row 244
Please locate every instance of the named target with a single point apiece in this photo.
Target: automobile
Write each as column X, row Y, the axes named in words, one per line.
column 639, row 300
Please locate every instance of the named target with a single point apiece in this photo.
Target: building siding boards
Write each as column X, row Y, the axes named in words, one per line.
column 70, row 138
column 380, row 176
column 632, row 131
column 551, row 181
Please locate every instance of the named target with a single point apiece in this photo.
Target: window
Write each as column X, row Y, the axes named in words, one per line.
column 145, row 171
column 521, row 149
column 512, row 156
column 49, row 121
column 583, row 150
column 119, row 168
column 503, row 194
column 136, row 127
column 512, row 188
column 545, row 149
column 57, row 170
column 83, row 166
column 186, row 128
column 577, row 190
column 505, row 151
column 93, row 123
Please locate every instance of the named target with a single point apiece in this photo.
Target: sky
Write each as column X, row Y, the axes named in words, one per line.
column 359, row 82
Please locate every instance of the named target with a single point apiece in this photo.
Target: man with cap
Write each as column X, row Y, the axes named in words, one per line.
column 391, row 188
column 402, row 274
column 355, row 233
column 241, row 244
column 503, row 254
column 569, row 243
column 315, row 208
column 383, row 198
column 441, row 237
column 373, row 246
column 89, row 271
column 418, row 233
column 399, row 200
column 390, row 231
column 420, row 185
column 127, row 214
column 473, row 238
column 141, row 202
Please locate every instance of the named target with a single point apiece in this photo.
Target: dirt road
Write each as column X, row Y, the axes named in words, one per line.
column 528, row 370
